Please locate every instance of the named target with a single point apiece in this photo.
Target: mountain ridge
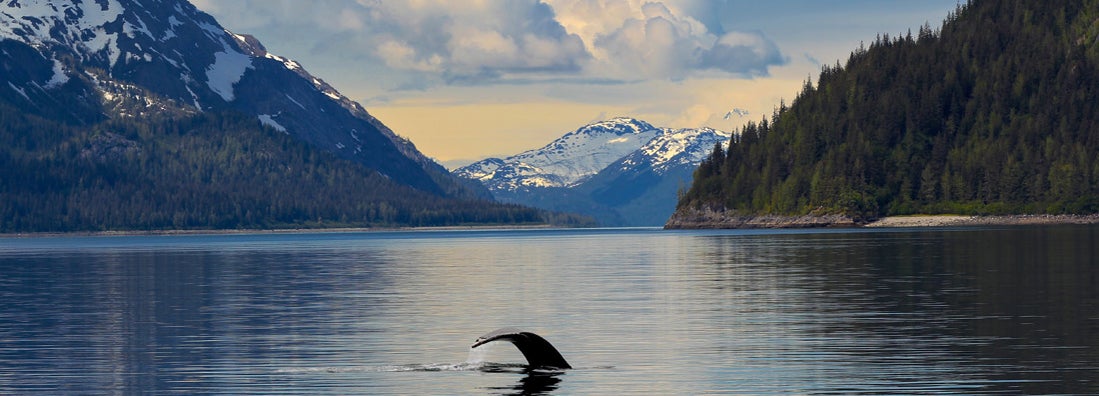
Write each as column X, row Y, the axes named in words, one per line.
column 142, row 43
column 622, row 171
column 565, row 161
column 135, row 115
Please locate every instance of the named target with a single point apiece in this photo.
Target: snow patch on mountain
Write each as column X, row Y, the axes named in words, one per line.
column 289, row 63
column 21, row 91
column 40, row 22
column 269, row 120
column 482, row 170
column 678, row 147
column 59, row 77
column 252, row 47
column 228, row 68
column 131, row 29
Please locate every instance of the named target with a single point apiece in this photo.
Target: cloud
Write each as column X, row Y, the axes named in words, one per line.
column 812, row 59
column 658, row 40
column 741, row 53
column 494, row 41
column 657, row 45
column 463, row 40
column 460, row 39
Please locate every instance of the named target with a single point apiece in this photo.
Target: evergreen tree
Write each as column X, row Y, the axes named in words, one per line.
column 206, row 171
column 993, row 113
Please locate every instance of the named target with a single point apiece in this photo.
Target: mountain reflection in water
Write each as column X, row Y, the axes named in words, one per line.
column 637, row 311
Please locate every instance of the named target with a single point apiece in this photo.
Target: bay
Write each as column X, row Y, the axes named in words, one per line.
column 635, row 311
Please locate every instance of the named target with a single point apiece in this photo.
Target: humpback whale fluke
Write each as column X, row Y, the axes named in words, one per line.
column 538, row 351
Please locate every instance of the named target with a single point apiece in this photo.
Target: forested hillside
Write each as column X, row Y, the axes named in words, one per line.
column 148, row 115
column 996, row 112
column 204, row 171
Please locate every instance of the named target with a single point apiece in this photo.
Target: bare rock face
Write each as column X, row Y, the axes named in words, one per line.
column 107, row 147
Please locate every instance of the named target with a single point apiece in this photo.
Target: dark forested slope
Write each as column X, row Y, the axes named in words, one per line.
column 997, row 112
column 204, row 171
column 148, row 115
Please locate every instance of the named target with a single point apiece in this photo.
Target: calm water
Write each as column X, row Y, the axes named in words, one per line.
column 635, row 311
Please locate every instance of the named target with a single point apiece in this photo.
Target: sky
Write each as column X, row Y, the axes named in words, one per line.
column 471, row 79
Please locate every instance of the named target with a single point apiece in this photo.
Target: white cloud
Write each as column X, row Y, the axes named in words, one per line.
column 464, row 40
column 639, row 39
column 486, row 41
column 543, row 71
column 399, row 55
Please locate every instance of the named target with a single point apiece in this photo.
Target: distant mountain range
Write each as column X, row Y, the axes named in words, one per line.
column 623, row 171
column 94, row 93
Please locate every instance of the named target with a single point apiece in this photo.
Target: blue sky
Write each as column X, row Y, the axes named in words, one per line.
column 470, row 79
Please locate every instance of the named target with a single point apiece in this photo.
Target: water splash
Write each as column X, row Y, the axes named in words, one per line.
column 477, row 355
column 476, row 361
column 428, row 367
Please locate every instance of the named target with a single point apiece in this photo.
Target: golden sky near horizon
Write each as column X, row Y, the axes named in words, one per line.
column 449, row 131
column 470, row 79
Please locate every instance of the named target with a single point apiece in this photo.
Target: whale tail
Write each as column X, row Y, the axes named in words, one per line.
column 539, row 352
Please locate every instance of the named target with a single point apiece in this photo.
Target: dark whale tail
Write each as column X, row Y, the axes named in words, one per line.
column 539, row 352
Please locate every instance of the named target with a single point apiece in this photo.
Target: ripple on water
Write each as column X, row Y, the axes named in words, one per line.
column 637, row 311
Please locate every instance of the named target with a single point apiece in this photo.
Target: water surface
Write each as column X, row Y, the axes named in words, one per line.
column 988, row 310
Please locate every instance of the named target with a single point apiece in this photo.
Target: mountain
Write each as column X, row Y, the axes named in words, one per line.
column 994, row 113
column 107, row 93
column 623, row 171
column 178, row 56
column 565, row 162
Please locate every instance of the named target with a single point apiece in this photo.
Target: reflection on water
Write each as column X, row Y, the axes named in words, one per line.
column 534, row 383
column 637, row 311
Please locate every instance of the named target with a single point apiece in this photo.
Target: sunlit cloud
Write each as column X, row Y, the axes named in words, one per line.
column 493, row 41
column 475, row 78
column 638, row 39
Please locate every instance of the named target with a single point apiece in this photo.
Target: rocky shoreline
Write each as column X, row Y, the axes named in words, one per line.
column 1006, row 220
column 712, row 219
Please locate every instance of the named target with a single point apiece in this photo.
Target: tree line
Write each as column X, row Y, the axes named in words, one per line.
column 206, row 171
column 996, row 112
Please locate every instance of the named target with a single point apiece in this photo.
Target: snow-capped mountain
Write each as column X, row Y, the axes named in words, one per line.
column 567, row 161
column 642, row 187
column 103, row 59
column 671, row 149
column 621, row 171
